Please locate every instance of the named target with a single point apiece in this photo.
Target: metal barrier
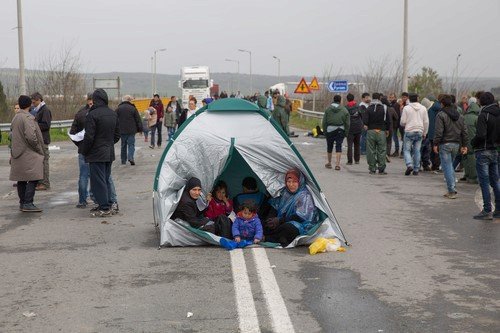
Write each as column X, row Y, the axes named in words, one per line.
column 54, row 124
column 309, row 114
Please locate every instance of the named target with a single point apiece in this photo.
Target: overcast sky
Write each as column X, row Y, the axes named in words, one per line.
column 308, row 36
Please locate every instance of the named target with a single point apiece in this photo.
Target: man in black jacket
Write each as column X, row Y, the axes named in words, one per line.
column 43, row 116
column 102, row 131
column 130, row 124
column 485, row 145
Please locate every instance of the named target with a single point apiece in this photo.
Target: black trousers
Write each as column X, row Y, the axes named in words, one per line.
column 283, row 234
column 223, row 226
column 26, row 191
column 99, row 183
column 158, row 130
column 436, row 162
column 353, row 140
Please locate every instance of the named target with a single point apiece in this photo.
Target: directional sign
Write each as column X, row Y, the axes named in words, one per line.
column 302, row 88
column 338, row 86
column 314, row 85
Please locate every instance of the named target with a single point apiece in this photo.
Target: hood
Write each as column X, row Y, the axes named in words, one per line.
column 492, row 109
column 281, row 101
column 473, row 108
column 335, row 107
column 100, row 98
column 416, row 106
column 262, row 102
column 452, row 112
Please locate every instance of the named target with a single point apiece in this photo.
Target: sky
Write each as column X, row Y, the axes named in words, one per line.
column 309, row 36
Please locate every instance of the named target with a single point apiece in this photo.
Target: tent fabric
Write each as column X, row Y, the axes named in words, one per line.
column 229, row 134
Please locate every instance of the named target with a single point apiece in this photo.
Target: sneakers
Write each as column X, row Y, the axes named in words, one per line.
column 408, row 171
column 450, row 195
column 114, row 208
column 94, row 208
column 102, row 213
column 30, row 208
column 372, row 172
column 483, row 216
column 496, row 214
column 415, row 173
column 81, row 205
column 131, row 162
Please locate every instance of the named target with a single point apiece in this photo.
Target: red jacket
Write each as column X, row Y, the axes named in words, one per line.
column 216, row 208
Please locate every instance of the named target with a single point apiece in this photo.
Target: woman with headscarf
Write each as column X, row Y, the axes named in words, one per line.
column 294, row 210
column 191, row 210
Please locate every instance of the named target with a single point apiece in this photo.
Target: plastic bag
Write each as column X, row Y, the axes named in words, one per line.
column 321, row 245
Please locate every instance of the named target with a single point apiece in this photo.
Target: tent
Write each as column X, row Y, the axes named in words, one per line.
column 230, row 139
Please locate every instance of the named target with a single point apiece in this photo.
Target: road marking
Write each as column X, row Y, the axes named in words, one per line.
column 247, row 314
column 280, row 320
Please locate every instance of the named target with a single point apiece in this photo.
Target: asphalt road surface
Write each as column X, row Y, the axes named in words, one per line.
column 418, row 262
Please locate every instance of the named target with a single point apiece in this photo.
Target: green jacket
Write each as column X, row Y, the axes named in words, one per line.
column 336, row 115
column 470, row 119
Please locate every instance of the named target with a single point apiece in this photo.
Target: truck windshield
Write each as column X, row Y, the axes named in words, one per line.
column 195, row 84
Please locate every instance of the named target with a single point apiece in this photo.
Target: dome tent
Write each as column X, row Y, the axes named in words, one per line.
column 230, row 139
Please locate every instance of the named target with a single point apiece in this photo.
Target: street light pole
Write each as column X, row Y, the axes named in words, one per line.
column 154, row 70
column 279, row 65
column 238, row 77
column 405, row 48
column 22, row 79
column 456, row 82
column 152, row 78
column 250, row 53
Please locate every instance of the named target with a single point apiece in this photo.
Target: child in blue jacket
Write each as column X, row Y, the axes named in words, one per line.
column 247, row 225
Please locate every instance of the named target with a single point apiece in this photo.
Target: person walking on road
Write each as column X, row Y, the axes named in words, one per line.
column 152, row 118
column 355, row 129
column 279, row 114
column 102, row 131
column 130, row 124
column 365, row 103
column 158, row 105
column 169, row 121
column 43, row 116
column 393, row 101
column 485, row 144
column 415, row 120
column 27, row 155
column 432, row 112
column 336, row 121
column 377, row 124
column 450, row 138
column 469, row 159
column 391, row 112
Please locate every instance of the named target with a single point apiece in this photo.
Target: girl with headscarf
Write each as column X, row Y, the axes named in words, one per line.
column 295, row 211
column 189, row 210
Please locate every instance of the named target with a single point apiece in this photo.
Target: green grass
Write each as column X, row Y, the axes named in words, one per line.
column 304, row 123
column 56, row 134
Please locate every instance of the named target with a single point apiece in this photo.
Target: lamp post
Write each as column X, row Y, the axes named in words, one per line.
column 22, row 79
column 405, row 48
column 456, row 82
column 152, row 78
column 279, row 65
column 154, row 69
column 250, row 53
column 238, row 76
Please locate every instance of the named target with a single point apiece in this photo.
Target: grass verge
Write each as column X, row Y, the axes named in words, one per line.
column 303, row 123
column 56, row 134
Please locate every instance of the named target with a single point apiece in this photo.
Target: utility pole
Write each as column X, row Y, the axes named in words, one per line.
column 22, row 79
column 456, row 82
column 250, row 53
column 279, row 67
column 152, row 79
column 405, row 48
column 154, row 70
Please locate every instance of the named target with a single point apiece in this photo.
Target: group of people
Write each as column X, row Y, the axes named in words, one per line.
column 251, row 216
column 436, row 133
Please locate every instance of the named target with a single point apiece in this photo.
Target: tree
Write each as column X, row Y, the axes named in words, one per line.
column 4, row 109
column 425, row 83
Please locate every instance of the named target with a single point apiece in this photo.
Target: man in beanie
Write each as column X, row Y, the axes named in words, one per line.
column 43, row 116
column 27, row 155
column 102, row 131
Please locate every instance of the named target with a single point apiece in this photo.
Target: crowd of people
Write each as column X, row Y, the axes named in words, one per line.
column 437, row 134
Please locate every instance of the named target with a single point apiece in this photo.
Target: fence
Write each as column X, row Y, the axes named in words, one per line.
column 309, row 114
column 54, row 124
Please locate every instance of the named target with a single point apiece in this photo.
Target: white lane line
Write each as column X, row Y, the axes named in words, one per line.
column 280, row 320
column 247, row 314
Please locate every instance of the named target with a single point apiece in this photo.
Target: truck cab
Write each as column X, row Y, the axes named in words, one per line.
column 195, row 82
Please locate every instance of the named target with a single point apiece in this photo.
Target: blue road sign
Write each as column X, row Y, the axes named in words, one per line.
column 338, row 86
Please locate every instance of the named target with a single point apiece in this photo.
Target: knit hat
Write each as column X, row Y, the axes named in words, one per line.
column 192, row 183
column 292, row 174
column 24, row 102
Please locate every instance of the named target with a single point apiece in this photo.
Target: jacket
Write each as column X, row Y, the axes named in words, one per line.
column 178, row 109
column 247, row 229
column 432, row 113
column 394, row 118
column 128, row 118
column 169, row 119
column 188, row 211
column 336, row 116
column 414, row 118
column 78, row 124
column 377, row 117
column 450, row 127
column 158, row 107
column 44, row 119
column 355, row 119
column 216, row 208
column 102, row 130
column 27, row 148
column 470, row 120
column 488, row 129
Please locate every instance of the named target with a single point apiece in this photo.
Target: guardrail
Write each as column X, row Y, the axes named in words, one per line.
column 54, row 124
column 309, row 114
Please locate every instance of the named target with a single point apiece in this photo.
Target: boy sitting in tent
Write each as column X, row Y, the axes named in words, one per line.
column 251, row 195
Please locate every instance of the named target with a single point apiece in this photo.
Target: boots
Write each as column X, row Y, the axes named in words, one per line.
column 396, row 153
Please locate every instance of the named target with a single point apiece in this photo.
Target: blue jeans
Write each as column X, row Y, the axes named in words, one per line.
column 487, row 175
column 362, row 143
column 447, row 153
column 83, row 180
column 412, row 141
column 111, row 192
column 170, row 131
column 128, row 145
column 396, row 140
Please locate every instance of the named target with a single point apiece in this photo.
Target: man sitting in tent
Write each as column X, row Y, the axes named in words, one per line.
column 189, row 211
column 294, row 212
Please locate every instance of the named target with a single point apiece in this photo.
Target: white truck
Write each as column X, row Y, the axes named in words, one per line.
column 195, row 82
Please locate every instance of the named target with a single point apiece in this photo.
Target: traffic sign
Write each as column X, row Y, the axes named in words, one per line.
column 338, row 86
column 302, row 88
column 314, row 85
